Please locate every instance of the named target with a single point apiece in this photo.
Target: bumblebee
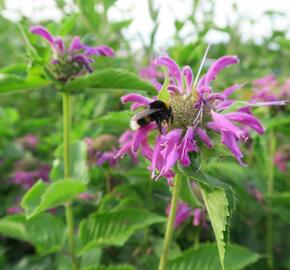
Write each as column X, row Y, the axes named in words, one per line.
column 157, row 111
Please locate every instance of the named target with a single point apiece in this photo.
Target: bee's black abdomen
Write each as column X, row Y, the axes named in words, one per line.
column 143, row 121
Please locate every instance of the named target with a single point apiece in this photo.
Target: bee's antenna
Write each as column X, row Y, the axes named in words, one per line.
column 201, row 65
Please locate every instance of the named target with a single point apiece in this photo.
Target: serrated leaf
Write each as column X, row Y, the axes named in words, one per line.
column 11, row 82
column 13, row 226
column 206, row 257
column 46, row 232
column 114, row 79
column 44, row 196
column 78, row 163
column 114, row 228
column 217, row 207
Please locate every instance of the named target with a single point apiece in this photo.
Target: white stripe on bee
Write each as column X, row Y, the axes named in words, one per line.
column 134, row 125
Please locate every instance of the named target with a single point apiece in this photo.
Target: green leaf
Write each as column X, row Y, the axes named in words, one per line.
column 114, row 228
column 13, row 226
column 10, row 83
column 88, row 11
column 46, row 232
column 78, row 163
column 217, row 207
column 206, row 257
column 43, row 196
column 91, row 259
column 116, row 119
column 110, row 79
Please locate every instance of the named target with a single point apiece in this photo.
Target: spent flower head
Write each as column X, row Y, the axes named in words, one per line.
column 72, row 60
column 187, row 112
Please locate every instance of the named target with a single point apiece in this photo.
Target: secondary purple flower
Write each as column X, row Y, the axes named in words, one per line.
column 152, row 74
column 257, row 194
column 187, row 115
column 86, row 196
column 269, row 89
column 14, row 210
column 27, row 179
column 72, row 60
column 29, row 141
column 282, row 157
column 103, row 148
column 184, row 212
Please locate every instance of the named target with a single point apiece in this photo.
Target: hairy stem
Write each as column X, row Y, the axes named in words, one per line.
column 170, row 223
column 270, row 190
column 66, row 158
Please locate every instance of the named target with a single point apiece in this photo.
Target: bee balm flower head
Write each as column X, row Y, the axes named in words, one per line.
column 191, row 112
column 73, row 60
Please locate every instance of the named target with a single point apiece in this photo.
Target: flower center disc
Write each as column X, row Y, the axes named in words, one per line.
column 183, row 111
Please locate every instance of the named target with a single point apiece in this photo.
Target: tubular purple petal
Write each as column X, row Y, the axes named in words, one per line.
column 187, row 72
column 227, row 92
column 201, row 133
column 218, row 66
column 136, row 98
column 156, row 84
column 247, row 120
column 99, row 50
column 43, row 32
column 187, row 145
column 229, row 140
column 224, row 105
column 223, row 124
column 141, row 135
column 172, row 68
column 75, row 44
column 59, row 45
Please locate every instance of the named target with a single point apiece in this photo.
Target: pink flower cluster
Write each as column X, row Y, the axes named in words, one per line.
column 197, row 111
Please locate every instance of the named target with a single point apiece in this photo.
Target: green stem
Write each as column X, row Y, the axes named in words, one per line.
column 270, row 190
column 170, row 223
column 66, row 158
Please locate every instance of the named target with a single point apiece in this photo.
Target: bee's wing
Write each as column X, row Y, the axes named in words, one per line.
column 144, row 113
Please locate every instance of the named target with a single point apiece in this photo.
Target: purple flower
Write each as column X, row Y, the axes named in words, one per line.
column 257, row 194
column 86, row 196
column 14, row 210
column 103, row 150
column 152, row 74
column 196, row 113
column 71, row 61
column 282, row 157
column 26, row 179
column 199, row 218
column 183, row 212
column 269, row 89
column 29, row 141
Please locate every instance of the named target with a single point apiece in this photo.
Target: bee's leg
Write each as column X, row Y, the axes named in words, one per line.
column 159, row 124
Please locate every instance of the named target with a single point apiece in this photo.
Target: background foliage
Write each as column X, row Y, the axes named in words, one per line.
column 120, row 219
